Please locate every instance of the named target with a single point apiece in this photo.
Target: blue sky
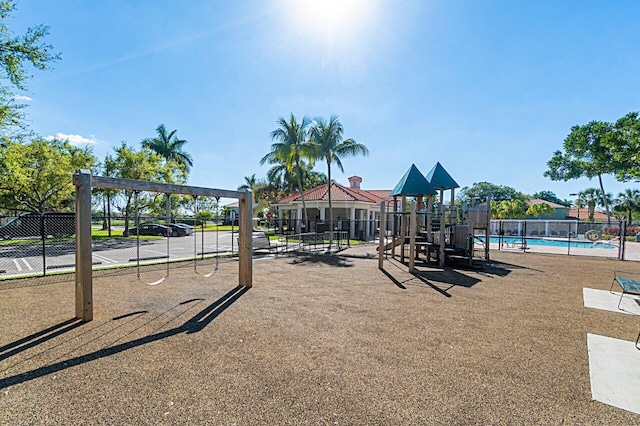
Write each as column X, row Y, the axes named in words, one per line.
column 490, row 89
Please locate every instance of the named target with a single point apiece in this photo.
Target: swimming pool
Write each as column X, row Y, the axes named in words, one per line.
column 552, row 243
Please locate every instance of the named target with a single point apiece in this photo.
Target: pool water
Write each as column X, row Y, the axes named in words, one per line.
column 553, row 243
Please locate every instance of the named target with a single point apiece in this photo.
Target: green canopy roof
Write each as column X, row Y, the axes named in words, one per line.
column 440, row 179
column 413, row 183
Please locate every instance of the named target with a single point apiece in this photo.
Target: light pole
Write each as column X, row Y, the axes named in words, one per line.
column 578, row 207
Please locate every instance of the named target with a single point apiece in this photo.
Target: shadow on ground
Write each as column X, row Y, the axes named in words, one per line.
column 325, row 259
column 444, row 279
column 193, row 325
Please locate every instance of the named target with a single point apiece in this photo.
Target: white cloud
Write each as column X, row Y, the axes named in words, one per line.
column 74, row 139
column 22, row 98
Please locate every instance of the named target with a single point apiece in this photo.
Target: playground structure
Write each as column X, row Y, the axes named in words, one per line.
column 433, row 229
column 84, row 182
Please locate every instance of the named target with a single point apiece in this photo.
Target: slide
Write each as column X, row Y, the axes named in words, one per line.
column 395, row 243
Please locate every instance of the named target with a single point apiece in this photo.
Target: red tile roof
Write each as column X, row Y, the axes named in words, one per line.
column 338, row 193
column 583, row 214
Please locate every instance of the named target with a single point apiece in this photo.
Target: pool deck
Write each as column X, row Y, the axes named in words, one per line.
column 327, row 339
column 632, row 250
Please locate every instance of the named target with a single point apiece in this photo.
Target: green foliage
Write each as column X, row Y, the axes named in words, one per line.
column 540, row 209
column 587, row 153
column 127, row 163
column 627, row 152
column 177, row 162
column 291, row 150
column 328, row 144
column 510, row 209
column 627, row 203
column 17, row 51
column 37, row 176
column 204, row 216
column 498, row 193
column 552, row 197
column 590, row 198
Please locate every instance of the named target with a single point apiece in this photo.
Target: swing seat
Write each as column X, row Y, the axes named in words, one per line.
column 260, row 241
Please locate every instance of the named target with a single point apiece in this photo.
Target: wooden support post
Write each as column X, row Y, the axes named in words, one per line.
column 429, row 217
column 412, row 237
column 84, row 277
column 487, row 245
column 454, row 213
column 403, row 226
column 245, row 240
column 394, row 226
column 381, row 235
column 420, row 207
column 443, row 225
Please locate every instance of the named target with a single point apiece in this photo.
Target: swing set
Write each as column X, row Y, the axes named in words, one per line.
column 168, row 251
column 84, row 182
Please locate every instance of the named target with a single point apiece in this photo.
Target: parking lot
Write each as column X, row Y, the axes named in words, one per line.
column 40, row 259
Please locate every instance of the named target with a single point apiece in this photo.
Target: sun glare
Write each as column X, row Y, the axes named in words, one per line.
column 332, row 24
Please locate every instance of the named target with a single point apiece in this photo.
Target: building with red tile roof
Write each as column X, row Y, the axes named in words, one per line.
column 350, row 205
column 583, row 215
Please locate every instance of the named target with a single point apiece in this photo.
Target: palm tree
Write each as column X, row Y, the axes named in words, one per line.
column 290, row 150
column 169, row 147
column 250, row 182
column 628, row 202
column 328, row 144
column 589, row 197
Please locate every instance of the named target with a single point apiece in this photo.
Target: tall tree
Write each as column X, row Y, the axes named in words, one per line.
column 588, row 152
column 291, row 150
column 250, row 182
column 550, row 196
column 511, row 209
column 589, row 198
column 498, row 193
column 37, row 176
column 16, row 52
column 539, row 209
column 170, row 148
column 628, row 202
column 128, row 163
column 329, row 145
column 627, row 153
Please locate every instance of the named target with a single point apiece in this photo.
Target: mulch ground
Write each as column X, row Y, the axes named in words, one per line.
column 327, row 339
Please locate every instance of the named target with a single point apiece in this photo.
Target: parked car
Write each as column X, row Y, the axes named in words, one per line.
column 150, row 229
column 190, row 229
column 178, row 230
column 36, row 225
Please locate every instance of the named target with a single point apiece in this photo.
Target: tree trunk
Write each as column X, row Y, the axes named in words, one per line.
column 330, row 205
column 604, row 201
column 104, row 213
column 109, row 213
column 304, row 204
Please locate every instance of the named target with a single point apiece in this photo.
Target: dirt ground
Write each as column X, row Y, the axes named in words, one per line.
column 327, row 339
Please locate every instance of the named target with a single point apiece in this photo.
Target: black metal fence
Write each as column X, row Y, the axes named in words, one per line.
column 36, row 244
column 616, row 240
column 358, row 230
column 44, row 245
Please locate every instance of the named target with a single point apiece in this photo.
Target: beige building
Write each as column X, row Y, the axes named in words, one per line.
column 354, row 209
